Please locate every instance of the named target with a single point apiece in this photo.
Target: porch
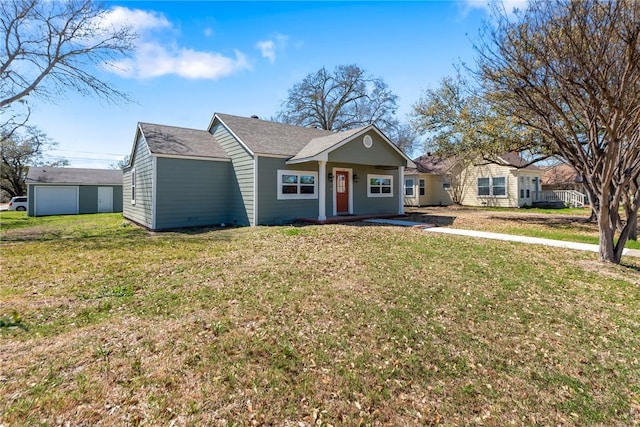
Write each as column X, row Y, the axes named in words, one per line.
column 348, row 218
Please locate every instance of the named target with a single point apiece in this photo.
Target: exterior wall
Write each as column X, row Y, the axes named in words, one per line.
column 141, row 211
column 362, row 203
column 272, row 211
column 380, row 153
column 192, row 193
column 87, row 197
column 434, row 193
column 241, row 203
column 470, row 192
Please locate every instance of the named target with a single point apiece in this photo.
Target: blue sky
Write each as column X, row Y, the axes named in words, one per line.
column 197, row 58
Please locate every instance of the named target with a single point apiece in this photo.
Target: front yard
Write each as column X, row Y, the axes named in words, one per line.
column 355, row 324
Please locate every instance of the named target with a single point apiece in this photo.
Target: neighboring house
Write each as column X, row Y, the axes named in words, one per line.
column 561, row 177
column 63, row 191
column 472, row 183
column 247, row 171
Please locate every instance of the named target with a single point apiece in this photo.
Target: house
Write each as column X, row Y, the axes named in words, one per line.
column 62, row 191
column 248, row 171
column 509, row 182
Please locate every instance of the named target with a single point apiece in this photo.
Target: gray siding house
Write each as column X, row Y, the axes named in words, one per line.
column 69, row 191
column 247, row 171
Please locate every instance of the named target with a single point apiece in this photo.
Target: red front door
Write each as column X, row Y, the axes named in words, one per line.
column 342, row 192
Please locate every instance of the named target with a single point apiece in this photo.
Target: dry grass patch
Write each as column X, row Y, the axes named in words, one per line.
column 342, row 324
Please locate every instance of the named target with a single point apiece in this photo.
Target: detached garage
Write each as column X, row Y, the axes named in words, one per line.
column 71, row 191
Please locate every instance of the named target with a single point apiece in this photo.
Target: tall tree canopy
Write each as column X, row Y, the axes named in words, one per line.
column 571, row 71
column 344, row 99
column 565, row 76
column 458, row 121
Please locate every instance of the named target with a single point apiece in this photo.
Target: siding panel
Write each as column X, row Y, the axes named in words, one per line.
column 241, row 185
column 192, row 193
column 141, row 212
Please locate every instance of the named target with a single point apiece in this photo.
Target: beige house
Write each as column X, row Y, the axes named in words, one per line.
column 438, row 181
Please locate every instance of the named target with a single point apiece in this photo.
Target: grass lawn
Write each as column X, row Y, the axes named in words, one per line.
column 570, row 224
column 103, row 323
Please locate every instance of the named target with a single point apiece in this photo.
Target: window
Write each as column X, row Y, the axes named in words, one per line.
column 408, row 187
column 133, row 186
column 380, row 186
column 422, row 187
column 297, row 185
column 492, row 186
column 446, row 183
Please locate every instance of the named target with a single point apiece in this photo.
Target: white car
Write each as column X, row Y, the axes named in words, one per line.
column 18, row 203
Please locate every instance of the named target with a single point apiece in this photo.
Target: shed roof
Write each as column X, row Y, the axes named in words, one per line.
column 179, row 141
column 52, row 175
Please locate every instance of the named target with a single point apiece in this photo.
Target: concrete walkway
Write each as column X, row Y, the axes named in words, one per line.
column 499, row 236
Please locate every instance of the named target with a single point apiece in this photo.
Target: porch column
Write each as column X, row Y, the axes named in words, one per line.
column 400, row 190
column 322, row 190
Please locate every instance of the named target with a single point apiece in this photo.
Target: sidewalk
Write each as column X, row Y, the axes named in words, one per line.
column 500, row 236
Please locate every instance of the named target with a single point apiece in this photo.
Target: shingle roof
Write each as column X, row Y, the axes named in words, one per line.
column 559, row 175
column 432, row 164
column 265, row 137
column 320, row 144
column 516, row 160
column 51, row 175
column 172, row 140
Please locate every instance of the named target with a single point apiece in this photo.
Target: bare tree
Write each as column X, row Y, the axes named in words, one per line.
column 571, row 71
column 19, row 151
column 344, row 99
column 48, row 47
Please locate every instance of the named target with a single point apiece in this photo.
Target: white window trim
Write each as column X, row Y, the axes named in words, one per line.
column 491, row 178
column 285, row 196
column 133, row 186
column 412, row 187
column 370, row 194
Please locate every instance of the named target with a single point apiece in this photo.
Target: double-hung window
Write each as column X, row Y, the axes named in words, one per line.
column 492, row 186
column 408, row 187
column 422, row 187
column 379, row 185
column 297, row 184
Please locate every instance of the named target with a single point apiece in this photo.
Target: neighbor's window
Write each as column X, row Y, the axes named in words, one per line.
column 422, row 187
column 133, row 186
column 297, row 184
column 499, row 186
column 446, row 183
column 492, row 186
column 408, row 187
column 380, row 186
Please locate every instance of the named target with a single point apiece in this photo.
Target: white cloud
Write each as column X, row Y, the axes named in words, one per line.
column 140, row 20
column 509, row 5
column 152, row 58
column 268, row 48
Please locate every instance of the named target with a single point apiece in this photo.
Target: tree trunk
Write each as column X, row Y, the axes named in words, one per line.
column 607, row 233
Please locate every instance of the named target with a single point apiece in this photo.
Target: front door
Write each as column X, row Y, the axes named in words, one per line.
column 342, row 192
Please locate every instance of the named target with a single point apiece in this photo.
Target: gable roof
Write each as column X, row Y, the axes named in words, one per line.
column 324, row 143
column 270, row 138
column 179, row 141
column 51, row 175
column 514, row 159
column 431, row 164
column 560, row 174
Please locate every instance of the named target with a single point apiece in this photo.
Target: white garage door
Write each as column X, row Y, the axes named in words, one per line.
column 56, row 200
